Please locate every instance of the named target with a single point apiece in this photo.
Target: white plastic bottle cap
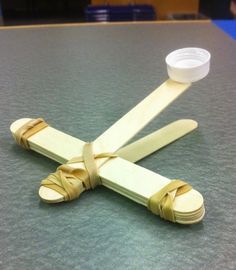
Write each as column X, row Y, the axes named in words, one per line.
column 188, row 64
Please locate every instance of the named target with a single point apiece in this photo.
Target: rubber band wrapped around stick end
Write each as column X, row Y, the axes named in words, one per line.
column 161, row 203
column 27, row 130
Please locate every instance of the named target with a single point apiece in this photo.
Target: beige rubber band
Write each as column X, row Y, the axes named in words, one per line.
column 66, row 180
column 161, row 203
column 28, row 130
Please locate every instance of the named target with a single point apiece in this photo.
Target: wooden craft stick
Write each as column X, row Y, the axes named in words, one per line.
column 118, row 174
column 132, row 122
column 157, row 140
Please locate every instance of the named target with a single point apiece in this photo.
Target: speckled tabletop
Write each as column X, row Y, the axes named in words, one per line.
column 81, row 79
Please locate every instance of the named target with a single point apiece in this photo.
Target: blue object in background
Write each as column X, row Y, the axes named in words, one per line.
column 97, row 14
column 228, row 26
column 109, row 13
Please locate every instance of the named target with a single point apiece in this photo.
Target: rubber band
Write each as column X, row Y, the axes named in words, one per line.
column 161, row 203
column 67, row 180
column 29, row 129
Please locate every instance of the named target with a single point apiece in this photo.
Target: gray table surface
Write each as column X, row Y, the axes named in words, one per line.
column 81, row 80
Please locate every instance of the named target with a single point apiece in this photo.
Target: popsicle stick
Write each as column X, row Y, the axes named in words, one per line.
column 124, row 177
column 156, row 140
column 132, row 122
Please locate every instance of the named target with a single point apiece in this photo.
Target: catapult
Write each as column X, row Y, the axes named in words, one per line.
column 105, row 162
